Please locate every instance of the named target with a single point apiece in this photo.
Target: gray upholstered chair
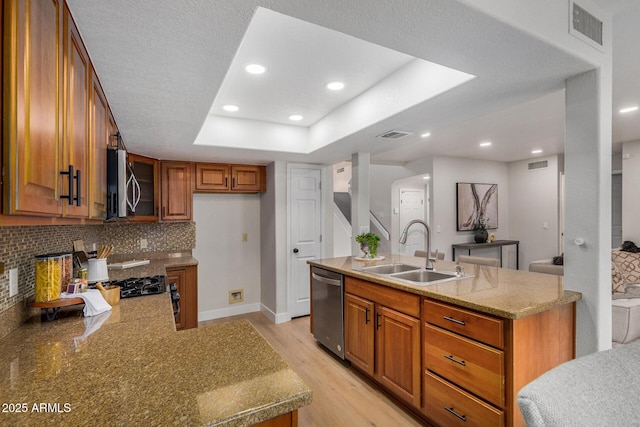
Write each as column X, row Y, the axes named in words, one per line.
column 492, row 262
column 423, row 254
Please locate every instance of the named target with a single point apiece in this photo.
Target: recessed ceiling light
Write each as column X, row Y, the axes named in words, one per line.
column 426, row 134
column 255, row 68
column 230, row 108
column 629, row 109
column 536, row 151
column 295, row 117
column 485, row 144
column 335, row 86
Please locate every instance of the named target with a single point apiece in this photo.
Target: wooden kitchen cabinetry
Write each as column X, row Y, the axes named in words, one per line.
column 33, row 113
column 176, row 193
column 145, row 170
column 186, row 280
column 475, row 364
column 76, row 146
column 101, row 131
column 221, row 178
column 52, row 128
column 382, row 336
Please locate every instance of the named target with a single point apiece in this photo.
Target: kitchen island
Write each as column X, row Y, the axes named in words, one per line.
column 129, row 366
column 455, row 352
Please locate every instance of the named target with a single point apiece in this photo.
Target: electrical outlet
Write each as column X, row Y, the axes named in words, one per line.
column 13, row 282
column 245, row 237
column 236, row 295
column 143, row 243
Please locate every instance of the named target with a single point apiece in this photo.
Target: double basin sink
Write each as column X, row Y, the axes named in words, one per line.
column 412, row 274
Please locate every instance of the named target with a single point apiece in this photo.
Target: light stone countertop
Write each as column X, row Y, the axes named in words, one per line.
column 503, row 292
column 158, row 263
column 129, row 367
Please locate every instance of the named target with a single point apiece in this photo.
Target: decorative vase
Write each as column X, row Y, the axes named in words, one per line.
column 481, row 236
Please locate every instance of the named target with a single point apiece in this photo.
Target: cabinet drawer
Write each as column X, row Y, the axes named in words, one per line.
column 473, row 366
column 488, row 330
column 448, row 405
column 401, row 301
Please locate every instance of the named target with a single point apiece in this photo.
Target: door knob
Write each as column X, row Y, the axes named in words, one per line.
column 295, row 250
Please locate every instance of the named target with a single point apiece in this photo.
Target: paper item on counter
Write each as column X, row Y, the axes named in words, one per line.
column 78, row 246
column 94, row 302
column 128, row 264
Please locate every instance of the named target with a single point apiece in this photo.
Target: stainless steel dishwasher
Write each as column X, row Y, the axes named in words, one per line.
column 327, row 300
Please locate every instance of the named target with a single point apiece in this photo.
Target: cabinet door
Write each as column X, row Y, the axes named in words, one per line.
column 247, row 178
column 212, row 177
column 145, row 170
column 100, row 132
column 175, row 195
column 33, row 122
column 186, row 279
column 398, row 354
column 77, row 79
column 359, row 332
column 179, row 278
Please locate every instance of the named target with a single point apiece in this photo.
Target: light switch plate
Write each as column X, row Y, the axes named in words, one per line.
column 13, row 282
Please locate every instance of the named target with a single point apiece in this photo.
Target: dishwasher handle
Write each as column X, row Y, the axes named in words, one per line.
column 326, row 280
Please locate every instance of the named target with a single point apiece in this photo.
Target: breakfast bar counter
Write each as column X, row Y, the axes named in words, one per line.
column 129, row 366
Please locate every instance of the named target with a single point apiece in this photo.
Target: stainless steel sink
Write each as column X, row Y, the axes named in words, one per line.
column 389, row 268
column 427, row 277
column 423, row 276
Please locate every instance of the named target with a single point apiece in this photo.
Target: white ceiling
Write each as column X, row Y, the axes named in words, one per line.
column 163, row 64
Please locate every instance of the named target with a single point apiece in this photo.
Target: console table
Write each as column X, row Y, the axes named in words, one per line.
column 496, row 243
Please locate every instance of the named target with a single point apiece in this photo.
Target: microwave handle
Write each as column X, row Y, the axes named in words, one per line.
column 135, row 190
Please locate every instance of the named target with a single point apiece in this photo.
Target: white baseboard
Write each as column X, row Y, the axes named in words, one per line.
column 275, row 318
column 228, row 311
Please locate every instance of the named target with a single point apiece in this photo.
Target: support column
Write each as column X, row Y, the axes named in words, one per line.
column 588, row 205
column 360, row 193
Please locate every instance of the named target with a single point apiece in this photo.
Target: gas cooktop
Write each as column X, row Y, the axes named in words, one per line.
column 141, row 286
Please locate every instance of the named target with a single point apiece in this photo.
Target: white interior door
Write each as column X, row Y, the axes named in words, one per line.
column 305, row 225
column 412, row 207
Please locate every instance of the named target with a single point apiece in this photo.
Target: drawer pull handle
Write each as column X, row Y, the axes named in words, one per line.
column 451, row 319
column 366, row 316
column 452, row 411
column 453, row 359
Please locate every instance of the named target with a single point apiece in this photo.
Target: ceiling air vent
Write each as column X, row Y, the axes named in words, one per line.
column 538, row 165
column 394, row 134
column 586, row 24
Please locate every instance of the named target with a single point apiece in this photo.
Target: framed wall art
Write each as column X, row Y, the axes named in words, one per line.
column 476, row 203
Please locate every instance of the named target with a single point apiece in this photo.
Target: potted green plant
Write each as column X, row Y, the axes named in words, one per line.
column 368, row 244
column 481, row 230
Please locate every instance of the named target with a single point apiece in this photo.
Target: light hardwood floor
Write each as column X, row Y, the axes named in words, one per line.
column 341, row 397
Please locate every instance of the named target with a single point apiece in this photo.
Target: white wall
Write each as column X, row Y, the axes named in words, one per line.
column 533, row 203
column 273, row 244
column 225, row 262
column 447, row 171
column 631, row 191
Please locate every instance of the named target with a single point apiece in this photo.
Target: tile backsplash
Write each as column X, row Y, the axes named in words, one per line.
column 19, row 245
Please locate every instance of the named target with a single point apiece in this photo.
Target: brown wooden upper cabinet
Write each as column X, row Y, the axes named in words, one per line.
column 55, row 116
column 220, row 178
column 176, row 193
column 33, row 95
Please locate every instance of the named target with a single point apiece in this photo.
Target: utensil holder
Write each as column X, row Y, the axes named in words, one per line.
column 98, row 271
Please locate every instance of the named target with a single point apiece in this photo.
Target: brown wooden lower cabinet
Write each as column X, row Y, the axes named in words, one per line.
column 290, row 419
column 454, row 366
column 382, row 342
column 186, row 279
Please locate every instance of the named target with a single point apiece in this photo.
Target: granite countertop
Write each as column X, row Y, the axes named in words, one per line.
column 158, row 264
column 503, row 292
column 129, row 366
